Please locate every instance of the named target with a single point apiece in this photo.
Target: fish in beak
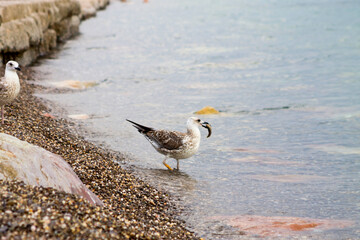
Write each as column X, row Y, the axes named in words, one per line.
column 208, row 126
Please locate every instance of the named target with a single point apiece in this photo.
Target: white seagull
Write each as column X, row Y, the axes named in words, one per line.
column 174, row 144
column 9, row 86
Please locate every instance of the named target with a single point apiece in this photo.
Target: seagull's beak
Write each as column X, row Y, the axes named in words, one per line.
column 208, row 126
column 18, row 68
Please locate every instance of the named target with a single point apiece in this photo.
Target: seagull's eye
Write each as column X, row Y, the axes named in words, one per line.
column 198, row 120
column 10, row 64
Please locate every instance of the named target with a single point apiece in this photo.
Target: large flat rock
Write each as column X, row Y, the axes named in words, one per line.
column 35, row 166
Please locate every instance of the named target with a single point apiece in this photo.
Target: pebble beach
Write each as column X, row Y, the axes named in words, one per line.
column 276, row 80
column 133, row 209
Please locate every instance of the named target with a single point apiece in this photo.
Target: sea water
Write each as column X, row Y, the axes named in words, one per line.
column 285, row 76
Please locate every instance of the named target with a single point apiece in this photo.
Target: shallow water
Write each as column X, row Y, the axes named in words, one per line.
column 285, row 76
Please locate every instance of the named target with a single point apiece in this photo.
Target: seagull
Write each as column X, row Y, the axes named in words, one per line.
column 174, row 144
column 9, row 85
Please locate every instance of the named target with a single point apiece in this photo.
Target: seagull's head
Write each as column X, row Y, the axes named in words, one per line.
column 12, row 66
column 197, row 122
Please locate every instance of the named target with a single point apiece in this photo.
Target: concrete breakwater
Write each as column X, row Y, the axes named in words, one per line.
column 32, row 28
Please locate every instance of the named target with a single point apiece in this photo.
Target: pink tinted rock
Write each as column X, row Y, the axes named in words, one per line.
column 266, row 226
column 23, row 161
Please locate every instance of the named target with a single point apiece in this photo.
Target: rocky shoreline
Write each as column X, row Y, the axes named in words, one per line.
column 33, row 28
column 133, row 209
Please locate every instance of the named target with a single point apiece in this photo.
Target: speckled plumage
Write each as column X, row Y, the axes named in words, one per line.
column 8, row 91
column 9, row 86
column 174, row 144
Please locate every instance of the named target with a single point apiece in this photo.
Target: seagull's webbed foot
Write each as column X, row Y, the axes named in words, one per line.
column 167, row 165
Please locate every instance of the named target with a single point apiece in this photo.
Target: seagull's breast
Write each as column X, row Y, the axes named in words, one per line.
column 191, row 146
column 9, row 90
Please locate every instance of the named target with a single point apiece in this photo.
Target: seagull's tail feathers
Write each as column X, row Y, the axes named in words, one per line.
column 142, row 129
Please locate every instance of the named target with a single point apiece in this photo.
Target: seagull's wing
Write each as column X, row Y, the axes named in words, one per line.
column 170, row 140
column 2, row 82
column 3, row 85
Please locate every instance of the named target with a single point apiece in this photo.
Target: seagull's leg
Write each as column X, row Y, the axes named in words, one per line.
column 177, row 165
column 166, row 165
column 2, row 114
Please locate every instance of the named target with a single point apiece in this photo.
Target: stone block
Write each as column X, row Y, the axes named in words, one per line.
column 74, row 25
column 48, row 42
column 67, row 28
column 46, row 18
column 32, row 27
column 13, row 38
column 12, row 10
column 67, row 8
column 89, row 7
column 27, row 57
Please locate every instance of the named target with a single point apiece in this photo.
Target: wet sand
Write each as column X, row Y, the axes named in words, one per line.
column 133, row 209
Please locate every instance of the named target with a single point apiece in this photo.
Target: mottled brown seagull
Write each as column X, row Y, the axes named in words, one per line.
column 9, row 86
column 174, row 144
